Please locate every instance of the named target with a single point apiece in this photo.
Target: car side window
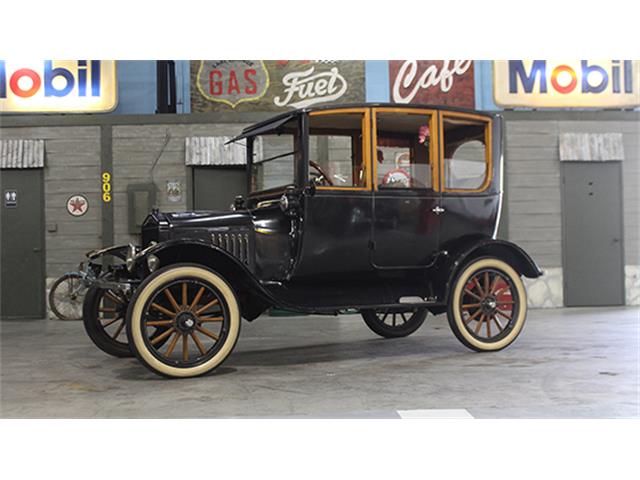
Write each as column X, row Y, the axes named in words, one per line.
column 466, row 161
column 403, row 150
column 275, row 159
column 335, row 150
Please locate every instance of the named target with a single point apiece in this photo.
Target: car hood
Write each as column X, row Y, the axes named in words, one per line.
column 208, row 219
column 161, row 226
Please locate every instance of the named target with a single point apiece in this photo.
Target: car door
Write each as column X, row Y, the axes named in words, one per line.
column 470, row 200
column 337, row 203
column 406, row 197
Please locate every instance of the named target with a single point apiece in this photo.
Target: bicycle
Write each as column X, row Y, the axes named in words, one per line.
column 67, row 292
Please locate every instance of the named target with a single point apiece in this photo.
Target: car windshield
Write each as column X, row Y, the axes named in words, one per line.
column 275, row 158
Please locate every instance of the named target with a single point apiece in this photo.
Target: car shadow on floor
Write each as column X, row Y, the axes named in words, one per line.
column 337, row 352
column 320, row 353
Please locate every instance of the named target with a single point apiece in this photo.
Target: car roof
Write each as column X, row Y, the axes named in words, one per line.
column 282, row 118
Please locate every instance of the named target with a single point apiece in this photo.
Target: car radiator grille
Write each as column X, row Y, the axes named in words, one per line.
column 237, row 244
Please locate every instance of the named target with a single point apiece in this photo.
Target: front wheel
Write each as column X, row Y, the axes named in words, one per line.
column 394, row 323
column 202, row 321
column 488, row 305
column 103, row 319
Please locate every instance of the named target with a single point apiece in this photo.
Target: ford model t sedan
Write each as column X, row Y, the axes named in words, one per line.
column 388, row 211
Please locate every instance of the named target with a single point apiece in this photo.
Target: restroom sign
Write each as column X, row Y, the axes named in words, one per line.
column 567, row 83
column 10, row 198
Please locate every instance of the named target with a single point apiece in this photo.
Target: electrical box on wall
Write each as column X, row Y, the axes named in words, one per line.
column 141, row 198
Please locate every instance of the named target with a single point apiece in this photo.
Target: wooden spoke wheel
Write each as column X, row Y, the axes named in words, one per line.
column 488, row 305
column 199, row 314
column 394, row 323
column 104, row 313
column 103, row 317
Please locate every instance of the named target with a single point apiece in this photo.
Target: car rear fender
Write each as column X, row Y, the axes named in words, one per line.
column 506, row 251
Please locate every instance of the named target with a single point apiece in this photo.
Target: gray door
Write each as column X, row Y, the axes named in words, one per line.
column 592, row 233
column 214, row 188
column 22, row 246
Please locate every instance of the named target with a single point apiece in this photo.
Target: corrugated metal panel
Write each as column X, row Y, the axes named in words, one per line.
column 21, row 153
column 596, row 147
column 213, row 151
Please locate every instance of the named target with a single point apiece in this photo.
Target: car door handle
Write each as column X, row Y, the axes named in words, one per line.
column 437, row 210
column 37, row 249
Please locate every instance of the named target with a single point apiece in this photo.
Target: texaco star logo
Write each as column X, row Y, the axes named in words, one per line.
column 77, row 205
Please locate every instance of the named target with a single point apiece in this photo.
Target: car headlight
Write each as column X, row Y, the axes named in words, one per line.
column 284, row 203
column 153, row 263
column 131, row 257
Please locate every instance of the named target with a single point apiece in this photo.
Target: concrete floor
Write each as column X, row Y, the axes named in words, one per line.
column 567, row 363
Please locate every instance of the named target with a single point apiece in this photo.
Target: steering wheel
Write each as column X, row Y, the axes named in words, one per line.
column 322, row 176
column 397, row 177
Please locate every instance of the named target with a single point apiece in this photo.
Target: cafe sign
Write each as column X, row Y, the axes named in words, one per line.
column 49, row 86
column 567, row 83
column 257, row 85
column 432, row 82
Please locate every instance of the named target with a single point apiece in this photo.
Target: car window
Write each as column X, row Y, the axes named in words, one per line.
column 403, row 150
column 275, row 157
column 335, row 150
column 465, row 153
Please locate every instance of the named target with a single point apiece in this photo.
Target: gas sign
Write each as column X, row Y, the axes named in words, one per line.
column 567, row 83
column 58, row 86
column 232, row 81
column 274, row 85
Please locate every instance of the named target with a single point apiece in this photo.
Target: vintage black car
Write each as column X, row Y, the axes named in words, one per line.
column 390, row 211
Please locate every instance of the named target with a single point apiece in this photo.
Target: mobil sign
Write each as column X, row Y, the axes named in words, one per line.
column 567, row 83
column 48, row 86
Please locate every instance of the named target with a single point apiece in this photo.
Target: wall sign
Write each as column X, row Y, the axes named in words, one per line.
column 232, row 81
column 256, row 85
column 567, row 83
column 77, row 205
column 435, row 82
column 174, row 191
column 11, row 198
column 58, row 86
column 106, row 187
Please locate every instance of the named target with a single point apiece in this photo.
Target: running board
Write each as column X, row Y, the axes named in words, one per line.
column 415, row 300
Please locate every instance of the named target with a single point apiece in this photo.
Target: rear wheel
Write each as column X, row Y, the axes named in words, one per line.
column 488, row 305
column 103, row 317
column 202, row 321
column 394, row 323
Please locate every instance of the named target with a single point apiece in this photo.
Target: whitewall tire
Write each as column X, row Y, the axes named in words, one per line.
column 487, row 305
column 200, row 313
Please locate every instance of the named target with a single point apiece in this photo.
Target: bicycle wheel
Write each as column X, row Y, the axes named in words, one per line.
column 67, row 296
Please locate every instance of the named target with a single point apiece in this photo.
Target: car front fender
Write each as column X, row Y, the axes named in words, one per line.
column 253, row 297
